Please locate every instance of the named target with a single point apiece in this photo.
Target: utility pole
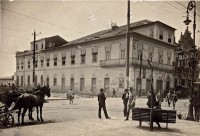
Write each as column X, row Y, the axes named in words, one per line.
column 128, row 44
column 34, row 59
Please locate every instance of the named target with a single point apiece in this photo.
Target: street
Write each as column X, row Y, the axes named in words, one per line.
column 80, row 119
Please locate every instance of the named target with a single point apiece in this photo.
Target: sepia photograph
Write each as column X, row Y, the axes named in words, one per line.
column 99, row 68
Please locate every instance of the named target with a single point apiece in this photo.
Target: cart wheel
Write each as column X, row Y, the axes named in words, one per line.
column 7, row 120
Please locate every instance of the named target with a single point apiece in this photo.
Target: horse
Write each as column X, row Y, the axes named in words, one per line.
column 28, row 101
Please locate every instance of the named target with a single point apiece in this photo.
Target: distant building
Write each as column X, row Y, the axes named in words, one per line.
column 183, row 70
column 6, row 81
column 98, row 60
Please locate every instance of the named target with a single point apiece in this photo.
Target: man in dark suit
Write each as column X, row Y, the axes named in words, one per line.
column 125, row 98
column 101, row 100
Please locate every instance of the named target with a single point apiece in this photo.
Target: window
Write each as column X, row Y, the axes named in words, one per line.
column 47, row 80
column 161, row 35
column 150, row 51
column 55, row 81
column 72, row 83
column 42, row 46
column 36, row 47
column 94, row 54
column 82, row 82
column 168, row 58
column 144, row 73
column 36, row 63
column 108, row 55
column 22, row 81
column 73, row 53
column 29, row 64
column 94, row 58
column 72, row 60
column 83, row 53
column 108, row 52
column 169, row 38
column 122, row 51
column 17, row 80
column 94, row 81
column 139, row 56
column 82, row 59
column 48, row 62
column 55, row 59
column 18, row 65
column 160, row 56
column 122, row 54
column 139, row 51
column 42, row 63
column 63, row 60
column 22, row 65
column 29, row 80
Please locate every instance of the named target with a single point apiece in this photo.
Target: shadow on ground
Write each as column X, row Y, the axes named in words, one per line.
column 163, row 129
column 34, row 123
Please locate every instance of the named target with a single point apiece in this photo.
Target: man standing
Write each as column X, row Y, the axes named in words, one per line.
column 114, row 93
column 125, row 98
column 195, row 104
column 131, row 104
column 101, row 100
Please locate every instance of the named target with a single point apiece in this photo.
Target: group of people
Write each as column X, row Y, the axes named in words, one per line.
column 128, row 101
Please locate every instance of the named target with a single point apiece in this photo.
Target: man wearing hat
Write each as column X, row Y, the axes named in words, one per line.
column 125, row 98
column 101, row 100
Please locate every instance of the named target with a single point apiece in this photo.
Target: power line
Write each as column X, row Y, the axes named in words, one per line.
column 41, row 20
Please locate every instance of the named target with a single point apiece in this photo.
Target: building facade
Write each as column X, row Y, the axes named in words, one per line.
column 98, row 60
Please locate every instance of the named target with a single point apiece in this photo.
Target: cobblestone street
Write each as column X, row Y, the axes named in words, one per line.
column 80, row 119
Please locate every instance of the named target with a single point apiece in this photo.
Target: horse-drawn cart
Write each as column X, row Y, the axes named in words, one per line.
column 6, row 117
column 6, row 99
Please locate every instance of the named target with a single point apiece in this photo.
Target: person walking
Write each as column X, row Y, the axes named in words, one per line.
column 102, row 104
column 174, row 100
column 132, row 98
column 114, row 93
column 125, row 98
column 157, row 115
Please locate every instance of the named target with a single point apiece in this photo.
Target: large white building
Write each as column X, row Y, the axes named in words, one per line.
column 98, row 60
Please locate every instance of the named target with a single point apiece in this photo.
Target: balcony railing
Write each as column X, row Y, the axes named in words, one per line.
column 136, row 63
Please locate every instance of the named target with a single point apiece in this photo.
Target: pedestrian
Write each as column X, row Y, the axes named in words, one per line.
column 125, row 98
column 71, row 96
column 195, row 104
column 159, row 97
column 149, row 99
column 131, row 104
column 102, row 104
column 156, row 114
column 174, row 100
column 114, row 93
column 169, row 98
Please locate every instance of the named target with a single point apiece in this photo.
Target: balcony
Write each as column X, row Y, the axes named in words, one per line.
column 134, row 62
column 112, row 62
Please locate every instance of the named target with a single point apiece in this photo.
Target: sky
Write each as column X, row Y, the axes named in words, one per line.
column 77, row 18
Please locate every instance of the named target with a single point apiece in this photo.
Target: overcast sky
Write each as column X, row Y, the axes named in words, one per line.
column 74, row 19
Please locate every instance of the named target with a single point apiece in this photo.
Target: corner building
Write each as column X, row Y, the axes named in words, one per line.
column 99, row 60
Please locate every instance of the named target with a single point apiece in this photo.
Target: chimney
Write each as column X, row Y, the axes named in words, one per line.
column 114, row 26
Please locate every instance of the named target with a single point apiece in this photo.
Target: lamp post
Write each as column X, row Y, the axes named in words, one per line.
column 193, row 52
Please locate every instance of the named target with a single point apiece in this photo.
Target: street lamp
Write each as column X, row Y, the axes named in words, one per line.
column 193, row 54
